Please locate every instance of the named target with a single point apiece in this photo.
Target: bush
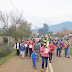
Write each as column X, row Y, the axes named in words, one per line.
column 5, row 51
column 5, row 39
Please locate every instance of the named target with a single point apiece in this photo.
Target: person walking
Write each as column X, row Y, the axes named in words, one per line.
column 22, row 50
column 17, row 46
column 30, row 46
column 61, row 45
column 26, row 45
column 45, row 55
column 58, row 44
column 37, row 47
column 66, row 48
column 51, row 51
column 34, row 58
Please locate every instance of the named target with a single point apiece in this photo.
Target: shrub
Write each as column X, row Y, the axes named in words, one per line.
column 5, row 51
column 5, row 39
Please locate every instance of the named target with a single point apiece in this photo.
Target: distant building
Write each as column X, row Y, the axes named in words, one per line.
column 65, row 32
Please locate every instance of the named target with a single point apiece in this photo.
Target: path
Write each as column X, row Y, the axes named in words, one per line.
column 16, row 64
column 62, row 64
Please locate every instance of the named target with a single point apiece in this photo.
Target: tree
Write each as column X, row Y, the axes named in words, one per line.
column 46, row 28
column 15, row 25
column 41, row 31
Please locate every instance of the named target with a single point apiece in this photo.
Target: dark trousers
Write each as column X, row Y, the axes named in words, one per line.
column 18, row 52
column 44, row 59
column 27, row 51
column 30, row 52
column 50, row 56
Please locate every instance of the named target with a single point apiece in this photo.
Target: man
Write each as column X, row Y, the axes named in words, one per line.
column 17, row 46
column 61, row 45
column 26, row 45
column 58, row 44
column 66, row 46
column 37, row 47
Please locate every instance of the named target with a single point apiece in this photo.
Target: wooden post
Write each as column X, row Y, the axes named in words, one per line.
column 14, row 41
column 8, row 41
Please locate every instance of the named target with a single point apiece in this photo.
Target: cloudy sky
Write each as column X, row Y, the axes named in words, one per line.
column 40, row 11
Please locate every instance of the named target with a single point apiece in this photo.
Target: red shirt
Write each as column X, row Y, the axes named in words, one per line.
column 30, row 45
column 51, row 48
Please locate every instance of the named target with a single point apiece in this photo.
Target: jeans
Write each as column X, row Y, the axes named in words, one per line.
column 30, row 52
column 67, row 51
column 59, row 50
column 34, row 62
column 18, row 52
column 44, row 59
column 50, row 56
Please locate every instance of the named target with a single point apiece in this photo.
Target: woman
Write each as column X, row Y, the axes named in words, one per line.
column 51, row 51
column 30, row 46
column 45, row 56
column 22, row 50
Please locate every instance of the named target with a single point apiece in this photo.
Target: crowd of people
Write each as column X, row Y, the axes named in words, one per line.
column 35, row 49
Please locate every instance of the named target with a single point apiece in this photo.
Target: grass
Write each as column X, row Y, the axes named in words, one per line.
column 4, row 59
column 70, row 51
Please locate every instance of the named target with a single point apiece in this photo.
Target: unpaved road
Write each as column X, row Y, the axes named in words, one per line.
column 62, row 64
column 16, row 64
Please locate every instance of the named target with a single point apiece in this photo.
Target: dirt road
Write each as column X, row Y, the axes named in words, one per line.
column 16, row 64
column 62, row 64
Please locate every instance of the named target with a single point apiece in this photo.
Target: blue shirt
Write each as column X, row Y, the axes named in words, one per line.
column 58, row 43
column 34, row 55
column 22, row 48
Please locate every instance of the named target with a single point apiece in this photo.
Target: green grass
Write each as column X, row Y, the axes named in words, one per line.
column 4, row 59
column 70, row 51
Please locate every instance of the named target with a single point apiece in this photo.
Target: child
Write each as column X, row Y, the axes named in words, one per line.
column 34, row 58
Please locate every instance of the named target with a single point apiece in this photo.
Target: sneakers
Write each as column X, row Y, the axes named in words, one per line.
column 68, row 57
column 35, row 68
column 42, row 70
column 46, row 68
column 50, row 61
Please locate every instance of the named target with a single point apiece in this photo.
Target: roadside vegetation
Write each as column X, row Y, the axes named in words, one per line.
column 4, row 59
column 71, row 51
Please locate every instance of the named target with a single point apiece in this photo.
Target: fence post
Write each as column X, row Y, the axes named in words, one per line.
column 8, row 41
column 14, row 41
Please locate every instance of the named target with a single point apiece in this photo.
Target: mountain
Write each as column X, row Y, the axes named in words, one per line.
column 58, row 27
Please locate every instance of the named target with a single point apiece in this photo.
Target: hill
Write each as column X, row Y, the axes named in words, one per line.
column 58, row 27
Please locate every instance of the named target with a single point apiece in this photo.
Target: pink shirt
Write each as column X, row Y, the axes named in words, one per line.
column 43, row 53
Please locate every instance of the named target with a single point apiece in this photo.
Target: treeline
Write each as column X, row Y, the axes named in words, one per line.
column 44, row 29
column 14, row 24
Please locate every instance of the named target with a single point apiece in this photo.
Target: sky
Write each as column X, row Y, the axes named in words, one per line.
column 40, row 11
